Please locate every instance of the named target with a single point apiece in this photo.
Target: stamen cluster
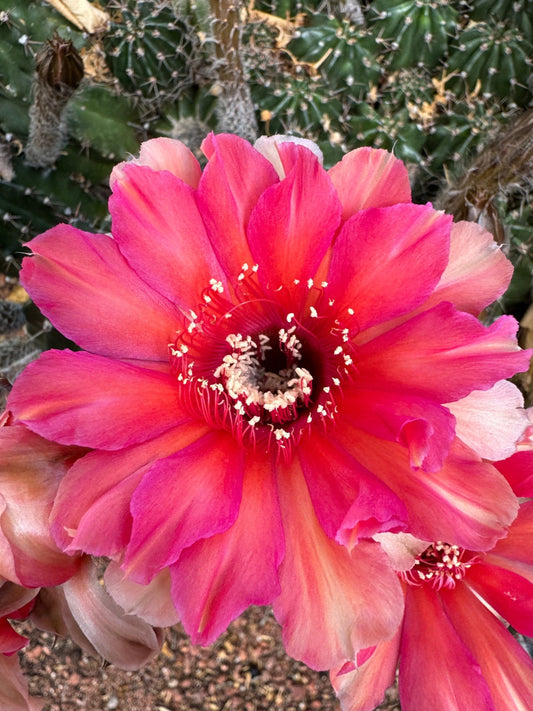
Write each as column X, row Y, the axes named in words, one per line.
column 442, row 565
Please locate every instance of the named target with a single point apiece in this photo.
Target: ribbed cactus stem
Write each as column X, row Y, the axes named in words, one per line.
column 6, row 167
column 58, row 73
column 235, row 109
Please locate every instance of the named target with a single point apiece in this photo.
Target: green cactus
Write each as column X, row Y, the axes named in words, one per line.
column 149, row 50
column 417, row 32
column 496, row 56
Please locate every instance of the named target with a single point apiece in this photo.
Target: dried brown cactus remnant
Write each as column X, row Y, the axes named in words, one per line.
column 58, row 73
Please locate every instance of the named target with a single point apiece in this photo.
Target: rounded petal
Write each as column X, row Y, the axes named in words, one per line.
column 353, row 599
column 425, row 428
column 467, row 501
column 477, row 273
column 294, row 221
column 515, row 552
column 152, row 602
column 102, row 482
column 83, row 284
column 376, row 260
column 234, row 178
column 30, row 471
column 192, row 494
column 236, row 568
column 164, row 154
column 82, row 609
column 491, row 421
column 442, row 354
column 92, row 401
column 268, row 146
column 506, row 667
column 435, row 664
column 159, row 230
column 368, row 177
column 348, row 500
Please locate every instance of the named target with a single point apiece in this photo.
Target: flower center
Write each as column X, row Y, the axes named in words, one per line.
column 245, row 364
column 441, row 565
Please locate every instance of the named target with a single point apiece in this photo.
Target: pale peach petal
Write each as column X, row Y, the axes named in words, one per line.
column 491, row 421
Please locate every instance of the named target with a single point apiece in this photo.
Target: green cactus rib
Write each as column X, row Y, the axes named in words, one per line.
column 496, row 56
column 418, row 32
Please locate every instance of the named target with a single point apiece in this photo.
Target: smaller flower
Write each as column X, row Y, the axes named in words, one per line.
column 453, row 652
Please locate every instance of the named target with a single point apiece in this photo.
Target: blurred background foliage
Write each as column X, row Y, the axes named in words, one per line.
column 445, row 85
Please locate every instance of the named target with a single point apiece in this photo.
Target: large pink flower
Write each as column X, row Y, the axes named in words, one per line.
column 272, row 356
column 453, row 651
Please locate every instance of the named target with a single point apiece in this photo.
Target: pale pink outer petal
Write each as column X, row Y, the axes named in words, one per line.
column 349, row 502
column 364, row 688
column 401, row 548
column 386, row 261
column 160, row 231
column 152, row 602
column 442, row 354
column 467, row 501
column 436, row 666
column 268, row 147
column 104, row 482
column 333, row 603
column 478, row 272
column 83, row 284
column 424, row 427
column 506, row 667
column 368, row 177
column 30, row 471
column 82, row 609
column 294, row 221
column 181, row 499
column 234, row 178
column 92, row 401
column 14, row 695
column 164, row 154
column 234, row 569
column 491, row 421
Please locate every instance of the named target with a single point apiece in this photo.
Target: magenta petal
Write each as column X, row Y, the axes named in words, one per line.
column 234, row 569
column 102, row 482
column 507, row 592
column 231, row 184
column 375, row 262
column 160, row 231
column 348, row 500
column 518, row 470
column 435, row 664
column 83, row 284
column 352, row 599
column 442, row 354
column 506, row 667
column 92, row 401
column 367, row 177
column 467, row 501
column 294, row 221
column 424, row 427
column 183, row 498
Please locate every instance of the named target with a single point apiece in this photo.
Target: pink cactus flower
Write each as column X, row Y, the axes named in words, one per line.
column 55, row 591
column 453, row 652
column 279, row 362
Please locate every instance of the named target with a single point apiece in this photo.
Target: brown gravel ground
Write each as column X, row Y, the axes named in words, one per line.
column 246, row 670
